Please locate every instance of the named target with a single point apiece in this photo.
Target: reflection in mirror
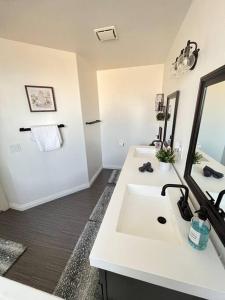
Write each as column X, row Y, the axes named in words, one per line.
column 208, row 167
column 170, row 119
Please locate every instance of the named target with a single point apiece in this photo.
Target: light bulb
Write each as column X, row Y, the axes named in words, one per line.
column 192, row 59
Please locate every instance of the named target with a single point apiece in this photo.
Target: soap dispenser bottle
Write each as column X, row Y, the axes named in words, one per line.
column 199, row 231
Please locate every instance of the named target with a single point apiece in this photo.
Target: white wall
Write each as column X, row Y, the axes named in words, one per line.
column 30, row 177
column 204, row 23
column 90, row 111
column 127, row 99
column 3, row 201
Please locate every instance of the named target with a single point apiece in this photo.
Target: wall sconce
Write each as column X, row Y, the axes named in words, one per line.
column 160, row 107
column 159, row 102
column 187, row 59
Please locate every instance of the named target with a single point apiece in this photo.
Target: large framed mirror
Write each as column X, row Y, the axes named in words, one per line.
column 205, row 166
column 170, row 118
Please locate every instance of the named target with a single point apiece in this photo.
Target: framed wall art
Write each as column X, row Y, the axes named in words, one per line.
column 40, row 98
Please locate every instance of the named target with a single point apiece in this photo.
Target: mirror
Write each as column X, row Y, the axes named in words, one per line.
column 170, row 119
column 210, row 148
column 205, row 168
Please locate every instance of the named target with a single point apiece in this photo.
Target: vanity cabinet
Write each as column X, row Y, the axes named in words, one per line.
column 118, row 287
column 129, row 242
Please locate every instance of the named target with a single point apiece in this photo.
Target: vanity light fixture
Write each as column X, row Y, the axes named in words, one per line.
column 187, row 59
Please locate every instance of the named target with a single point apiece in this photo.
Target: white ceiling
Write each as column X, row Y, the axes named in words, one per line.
column 146, row 28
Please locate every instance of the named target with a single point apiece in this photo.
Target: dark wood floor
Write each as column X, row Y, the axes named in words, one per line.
column 50, row 231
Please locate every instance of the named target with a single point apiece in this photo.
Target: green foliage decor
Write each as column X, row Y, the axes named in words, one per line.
column 166, row 155
column 161, row 116
column 197, row 158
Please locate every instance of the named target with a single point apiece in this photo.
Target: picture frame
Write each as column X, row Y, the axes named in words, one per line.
column 40, row 98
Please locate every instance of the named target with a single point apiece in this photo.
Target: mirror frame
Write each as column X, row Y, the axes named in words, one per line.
column 215, row 218
column 175, row 95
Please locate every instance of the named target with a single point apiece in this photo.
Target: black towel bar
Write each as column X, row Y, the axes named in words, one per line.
column 29, row 129
column 92, row 122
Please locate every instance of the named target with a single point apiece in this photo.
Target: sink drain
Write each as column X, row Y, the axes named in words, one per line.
column 161, row 220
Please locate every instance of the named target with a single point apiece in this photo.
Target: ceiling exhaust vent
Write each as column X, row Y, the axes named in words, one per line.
column 106, row 33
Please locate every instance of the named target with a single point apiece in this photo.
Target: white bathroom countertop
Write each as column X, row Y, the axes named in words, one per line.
column 175, row 266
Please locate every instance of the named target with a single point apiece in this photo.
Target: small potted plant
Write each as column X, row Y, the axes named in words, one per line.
column 197, row 158
column 160, row 116
column 166, row 158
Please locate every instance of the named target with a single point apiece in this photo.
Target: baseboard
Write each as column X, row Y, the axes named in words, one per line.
column 112, row 167
column 52, row 197
column 95, row 176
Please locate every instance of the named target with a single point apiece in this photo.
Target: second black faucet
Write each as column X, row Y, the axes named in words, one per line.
column 183, row 206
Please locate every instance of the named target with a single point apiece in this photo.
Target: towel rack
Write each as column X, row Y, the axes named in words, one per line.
column 29, row 129
column 92, row 122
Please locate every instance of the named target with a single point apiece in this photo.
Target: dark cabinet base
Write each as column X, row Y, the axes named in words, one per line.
column 118, row 287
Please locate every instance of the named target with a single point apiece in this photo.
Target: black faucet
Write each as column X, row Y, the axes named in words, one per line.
column 182, row 204
column 219, row 199
column 180, row 186
column 156, row 141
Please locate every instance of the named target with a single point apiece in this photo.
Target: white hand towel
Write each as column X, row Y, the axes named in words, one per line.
column 47, row 137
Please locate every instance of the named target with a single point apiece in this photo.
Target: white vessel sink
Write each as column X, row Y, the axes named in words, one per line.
column 144, row 151
column 142, row 206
